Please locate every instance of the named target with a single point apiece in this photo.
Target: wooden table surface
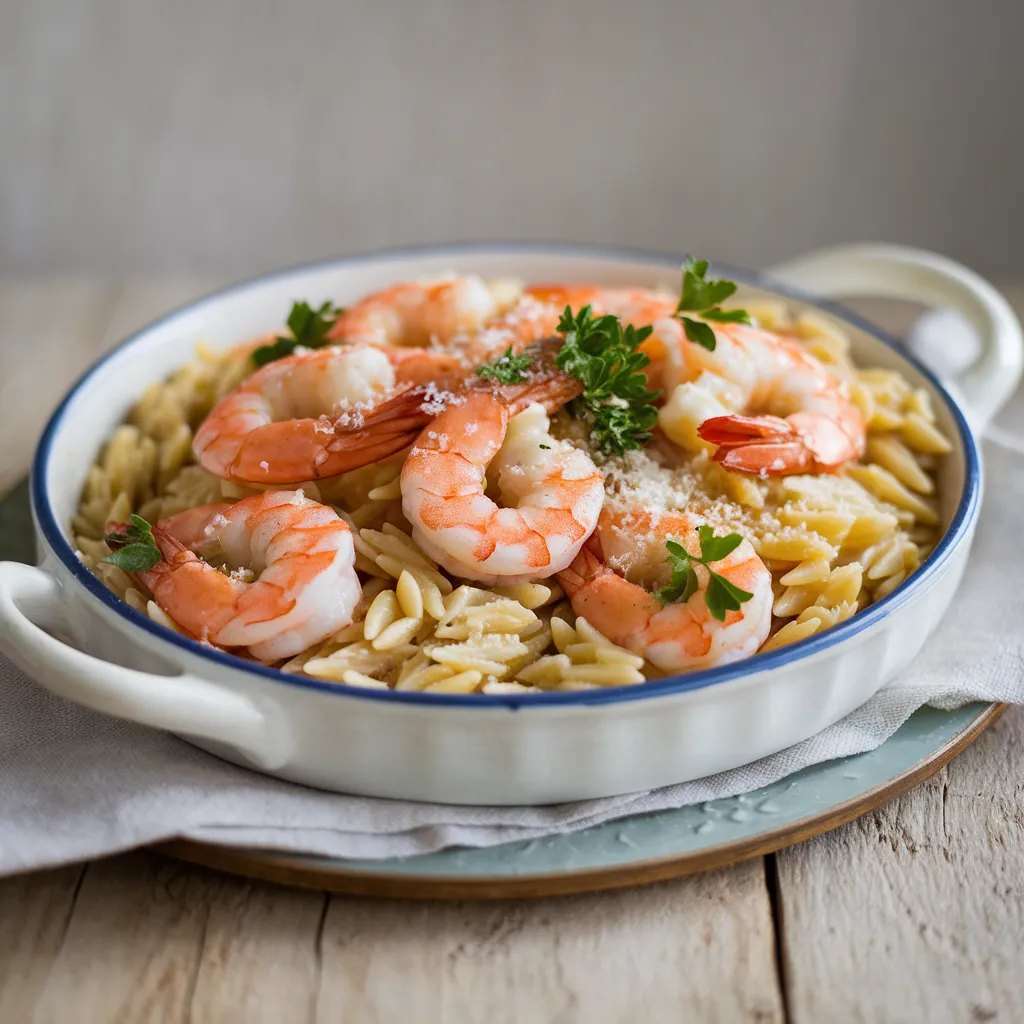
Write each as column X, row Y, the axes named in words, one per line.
column 913, row 913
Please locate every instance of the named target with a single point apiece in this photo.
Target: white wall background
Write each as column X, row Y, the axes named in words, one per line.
column 140, row 135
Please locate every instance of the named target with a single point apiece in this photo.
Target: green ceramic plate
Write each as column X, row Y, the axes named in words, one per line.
column 631, row 851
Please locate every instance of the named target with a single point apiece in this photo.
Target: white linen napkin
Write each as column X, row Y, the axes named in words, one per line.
column 75, row 784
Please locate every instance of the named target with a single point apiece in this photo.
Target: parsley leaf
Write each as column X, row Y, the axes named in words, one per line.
column 603, row 354
column 714, row 549
column 509, row 369
column 721, row 595
column 309, row 328
column 699, row 295
column 136, row 548
column 699, row 333
column 277, row 349
column 683, row 583
column 727, row 316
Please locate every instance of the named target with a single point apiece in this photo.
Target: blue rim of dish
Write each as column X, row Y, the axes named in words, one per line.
column 757, row 663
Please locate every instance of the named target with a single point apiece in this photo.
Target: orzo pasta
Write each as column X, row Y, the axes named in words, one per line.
column 473, row 572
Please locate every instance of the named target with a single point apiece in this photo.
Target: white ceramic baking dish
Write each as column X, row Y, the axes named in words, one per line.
column 528, row 749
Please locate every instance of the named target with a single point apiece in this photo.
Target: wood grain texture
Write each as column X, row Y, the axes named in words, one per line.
column 133, row 946
column 34, row 915
column 49, row 333
column 153, row 940
column 700, row 949
column 915, row 912
column 260, row 959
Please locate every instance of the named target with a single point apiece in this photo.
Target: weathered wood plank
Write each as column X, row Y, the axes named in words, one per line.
column 34, row 916
column 134, row 943
column 700, row 949
column 261, row 956
column 916, row 911
column 153, row 940
column 49, row 332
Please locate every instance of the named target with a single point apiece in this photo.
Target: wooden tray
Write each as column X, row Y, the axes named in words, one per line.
column 646, row 848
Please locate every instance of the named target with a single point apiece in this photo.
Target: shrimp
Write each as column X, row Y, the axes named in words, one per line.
column 553, row 492
column 320, row 413
column 539, row 309
column 463, row 311
column 636, row 306
column 418, row 313
column 303, row 558
column 804, row 420
column 189, row 527
column 677, row 637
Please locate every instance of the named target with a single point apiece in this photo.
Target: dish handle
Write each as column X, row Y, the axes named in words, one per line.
column 178, row 703
column 899, row 272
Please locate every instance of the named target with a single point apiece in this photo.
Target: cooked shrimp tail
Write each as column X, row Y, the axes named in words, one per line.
column 770, row 445
column 394, row 424
column 310, row 415
column 786, row 412
column 544, row 384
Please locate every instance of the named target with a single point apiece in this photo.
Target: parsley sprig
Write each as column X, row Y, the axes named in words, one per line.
column 137, row 550
column 615, row 401
column 703, row 297
column 309, row 328
column 721, row 595
column 508, row 369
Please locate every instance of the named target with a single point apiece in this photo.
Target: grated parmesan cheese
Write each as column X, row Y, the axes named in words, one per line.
column 436, row 400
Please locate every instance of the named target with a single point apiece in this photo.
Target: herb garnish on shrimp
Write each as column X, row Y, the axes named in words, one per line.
column 694, row 628
column 602, row 354
column 721, row 595
column 615, row 401
column 701, row 296
column 136, row 550
column 309, row 329
column 508, row 369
